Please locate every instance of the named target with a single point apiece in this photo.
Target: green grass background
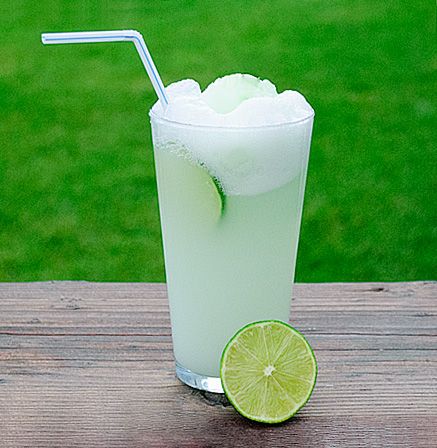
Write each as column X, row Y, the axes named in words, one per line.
column 77, row 185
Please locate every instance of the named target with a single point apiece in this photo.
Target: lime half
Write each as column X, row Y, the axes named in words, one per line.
column 268, row 371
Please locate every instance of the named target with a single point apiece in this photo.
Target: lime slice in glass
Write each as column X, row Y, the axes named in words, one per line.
column 268, row 371
column 194, row 191
column 206, row 191
column 215, row 191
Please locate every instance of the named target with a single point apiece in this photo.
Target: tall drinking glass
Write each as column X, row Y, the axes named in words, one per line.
column 230, row 202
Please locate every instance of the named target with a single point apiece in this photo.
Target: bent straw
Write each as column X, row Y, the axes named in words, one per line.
column 114, row 36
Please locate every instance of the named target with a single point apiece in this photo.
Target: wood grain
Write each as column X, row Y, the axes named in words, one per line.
column 91, row 365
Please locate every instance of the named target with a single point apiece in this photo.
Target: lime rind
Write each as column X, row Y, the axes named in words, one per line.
column 221, row 194
column 274, row 394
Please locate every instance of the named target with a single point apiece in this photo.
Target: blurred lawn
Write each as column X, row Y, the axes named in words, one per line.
column 77, row 188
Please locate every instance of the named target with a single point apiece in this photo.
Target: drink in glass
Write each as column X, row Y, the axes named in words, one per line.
column 231, row 183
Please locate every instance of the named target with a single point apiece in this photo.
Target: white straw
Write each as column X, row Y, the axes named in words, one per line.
column 114, row 36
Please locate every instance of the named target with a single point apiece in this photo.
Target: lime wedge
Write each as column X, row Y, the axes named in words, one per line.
column 212, row 191
column 194, row 191
column 268, row 371
column 215, row 188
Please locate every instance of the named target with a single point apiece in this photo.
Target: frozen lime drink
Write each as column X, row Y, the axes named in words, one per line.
column 231, row 164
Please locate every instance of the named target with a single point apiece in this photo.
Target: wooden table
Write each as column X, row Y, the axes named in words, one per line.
column 91, row 365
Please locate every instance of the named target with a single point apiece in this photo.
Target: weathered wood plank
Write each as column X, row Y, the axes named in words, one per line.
column 85, row 364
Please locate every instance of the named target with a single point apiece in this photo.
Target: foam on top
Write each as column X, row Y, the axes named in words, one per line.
column 237, row 100
column 255, row 156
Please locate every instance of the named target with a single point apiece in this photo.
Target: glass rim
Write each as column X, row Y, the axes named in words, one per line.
column 157, row 118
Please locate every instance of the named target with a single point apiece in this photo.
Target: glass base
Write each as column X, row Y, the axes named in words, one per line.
column 202, row 382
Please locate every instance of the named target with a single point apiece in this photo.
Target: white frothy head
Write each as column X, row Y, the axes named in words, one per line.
column 235, row 100
column 253, row 138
